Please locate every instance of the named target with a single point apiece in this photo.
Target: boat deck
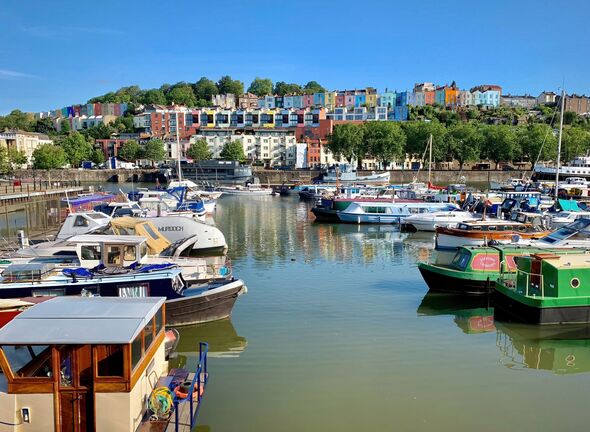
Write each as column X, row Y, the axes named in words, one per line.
column 184, row 410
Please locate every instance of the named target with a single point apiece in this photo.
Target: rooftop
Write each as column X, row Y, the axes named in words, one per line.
column 81, row 320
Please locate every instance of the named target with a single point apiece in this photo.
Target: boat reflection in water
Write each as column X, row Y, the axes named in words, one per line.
column 221, row 336
column 563, row 349
column 473, row 314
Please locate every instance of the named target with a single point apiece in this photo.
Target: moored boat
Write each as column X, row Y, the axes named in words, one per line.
column 251, row 190
column 387, row 212
column 547, row 288
column 82, row 364
column 431, row 221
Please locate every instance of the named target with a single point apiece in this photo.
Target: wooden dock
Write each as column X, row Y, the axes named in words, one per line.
column 27, row 193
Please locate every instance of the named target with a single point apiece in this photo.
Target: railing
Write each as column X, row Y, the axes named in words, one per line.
column 511, row 281
column 197, row 386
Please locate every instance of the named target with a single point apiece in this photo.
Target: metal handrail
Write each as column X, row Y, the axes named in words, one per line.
column 201, row 370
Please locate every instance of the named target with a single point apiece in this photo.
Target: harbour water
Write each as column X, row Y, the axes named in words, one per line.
column 337, row 332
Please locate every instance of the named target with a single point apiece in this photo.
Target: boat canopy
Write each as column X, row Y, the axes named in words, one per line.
column 569, row 205
column 128, row 225
column 82, row 320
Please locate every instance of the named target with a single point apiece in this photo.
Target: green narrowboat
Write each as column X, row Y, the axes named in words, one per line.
column 547, row 288
column 472, row 269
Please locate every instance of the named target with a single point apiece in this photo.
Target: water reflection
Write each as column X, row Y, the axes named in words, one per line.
column 221, row 336
column 472, row 314
column 562, row 350
column 272, row 230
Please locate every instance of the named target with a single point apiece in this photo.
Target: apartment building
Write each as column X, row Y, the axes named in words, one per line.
column 25, row 142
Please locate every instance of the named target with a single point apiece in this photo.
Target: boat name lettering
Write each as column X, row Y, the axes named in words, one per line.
column 171, row 228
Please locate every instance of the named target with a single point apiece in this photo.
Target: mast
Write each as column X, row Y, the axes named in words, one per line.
column 559, row 144
column 429, row 158
column 178, row 148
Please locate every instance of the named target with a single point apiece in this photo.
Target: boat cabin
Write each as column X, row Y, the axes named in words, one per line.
column 110, row 251
column 81, row 364
column 81, row 223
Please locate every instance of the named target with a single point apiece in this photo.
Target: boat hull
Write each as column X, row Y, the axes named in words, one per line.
column 440, row 280
column 211, row 305
column 507, row 306
column 370, row 218
column 325, row 215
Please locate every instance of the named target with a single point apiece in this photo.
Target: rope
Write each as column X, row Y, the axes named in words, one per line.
column 161, row 402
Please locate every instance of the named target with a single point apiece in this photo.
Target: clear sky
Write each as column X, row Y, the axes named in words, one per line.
column 59, row 53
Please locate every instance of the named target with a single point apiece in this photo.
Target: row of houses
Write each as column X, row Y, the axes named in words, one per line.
column 87, row 110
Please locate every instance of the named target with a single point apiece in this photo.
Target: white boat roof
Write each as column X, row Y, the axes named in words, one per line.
column 100, row 238
column 81, row 320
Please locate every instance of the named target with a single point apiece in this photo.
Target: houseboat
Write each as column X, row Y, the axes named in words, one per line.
column 345, row 173
column 523, row 226
column 547, row 288
column 578, row 167
column 95, row 364
column 474, row 269
column 218, row 172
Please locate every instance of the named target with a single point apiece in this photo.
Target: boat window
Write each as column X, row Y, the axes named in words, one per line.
column 136, row 351
column 113, row 253
column 491, row 228
column 136, row 290
column 379, row 210
column 80, row 221
column 129, row 253
column 110, row 360
column 461, row 259
column 151, row 232
column 90, row 252
column 463, row 227
column 148, row 335
column 33, row 361
column 143, row 250
column 159, row 320
column 96, row 216
column 65, row 368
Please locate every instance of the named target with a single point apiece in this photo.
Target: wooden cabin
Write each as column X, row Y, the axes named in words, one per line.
column 81, row 364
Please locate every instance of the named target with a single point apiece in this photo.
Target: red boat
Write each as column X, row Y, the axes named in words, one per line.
column 9, row 308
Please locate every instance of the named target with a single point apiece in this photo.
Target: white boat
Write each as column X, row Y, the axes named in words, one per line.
column 175, row 228
column 566, row 217
column 578, row 167
column 388, row 212
column 431, row 221
column 345, row 173
column 515, row 184
column 194, row 190
column 246, row 190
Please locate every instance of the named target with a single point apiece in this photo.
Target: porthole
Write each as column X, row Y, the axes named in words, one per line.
column 575, row 282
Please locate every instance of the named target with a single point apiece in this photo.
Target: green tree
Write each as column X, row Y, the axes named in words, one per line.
column 385, row 140
column 204, row 89
column 100, row 131
column 154, row 150
column 537, row 141
column 49, row 156
column 233, row 150
column 76, row 148
column 64, row 127
column 570, row 117
column 182, row 94
column 346, row 140
column 199, row 150
column 152, row 96
column 97, row 156
column 227, row 85
column 499, row 143
column 129, row 151
column 17, row 157
column 282, row 88
column 313, row 87
column 575, row 142
column 45, row 126
column 417, row 135
column 17, row 120
column 123, row 124
column 464, row 141
column 261, row 86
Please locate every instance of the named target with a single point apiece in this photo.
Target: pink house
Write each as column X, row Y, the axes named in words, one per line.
column 307, row 100
column 340, row 100
column 349, row 100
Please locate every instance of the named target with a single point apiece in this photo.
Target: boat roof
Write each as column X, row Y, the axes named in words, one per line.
column 81, row 320
column 101, row 238
column 569, row 261
column 491, row 222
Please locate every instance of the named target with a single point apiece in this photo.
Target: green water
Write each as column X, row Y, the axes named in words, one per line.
column 337, row 333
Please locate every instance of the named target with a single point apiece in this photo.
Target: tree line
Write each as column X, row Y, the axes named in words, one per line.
column 463, row 142
column 199, row 93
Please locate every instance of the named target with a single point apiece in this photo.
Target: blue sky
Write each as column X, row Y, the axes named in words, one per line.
column 54, row 54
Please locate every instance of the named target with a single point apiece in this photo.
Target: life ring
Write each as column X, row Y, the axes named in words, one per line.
column 180, row 392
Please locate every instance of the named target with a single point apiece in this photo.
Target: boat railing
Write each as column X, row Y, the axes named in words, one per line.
column 197, row 388
column 534, row 282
